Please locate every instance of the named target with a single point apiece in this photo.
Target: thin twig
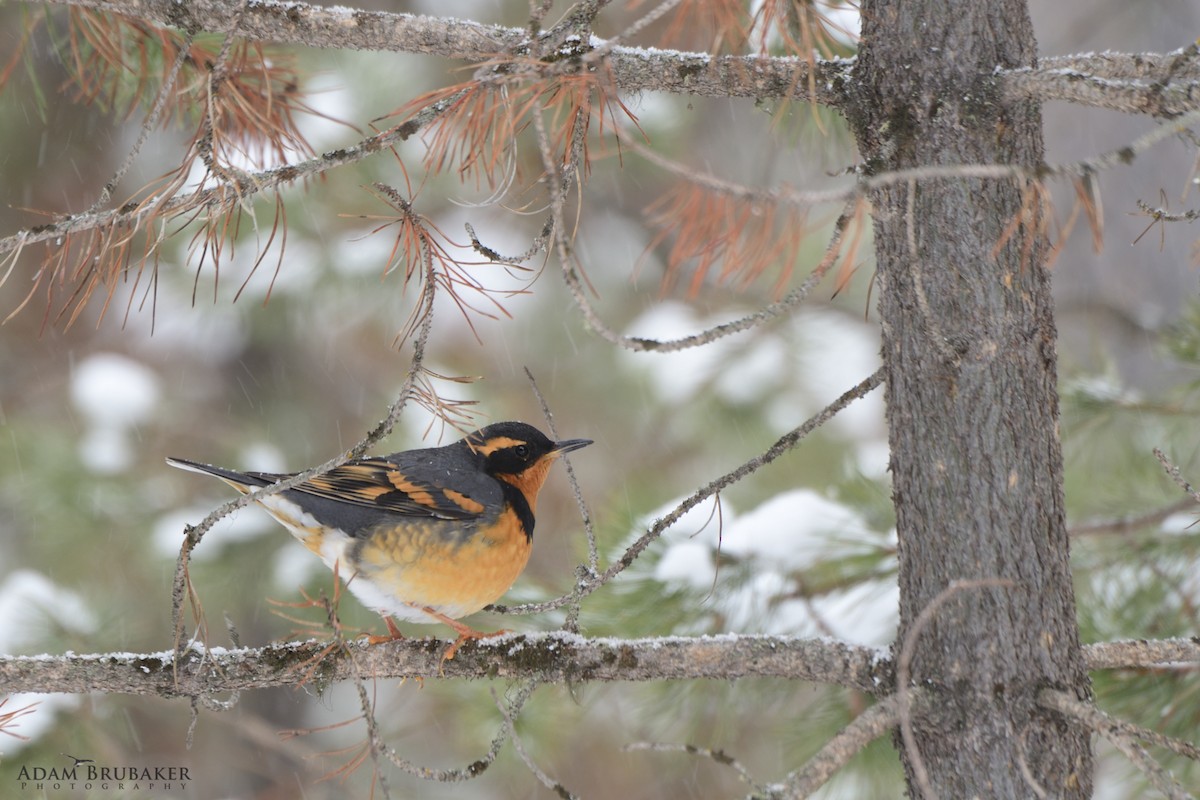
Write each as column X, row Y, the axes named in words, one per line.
column 1177, row 746
column 193, row 534
column 585, row 514
column 638, row 25
column 591, row 568
column 783, row 445
column 479, row 765
column 1133, row 522
column 246, row 184
column 1175, row 474
column 849, row 741
column 776, row 310
column 165, row 93
column 867, row 183
column 718, row 756
column 375, row 743
column 1122, row 735
column 519, row 746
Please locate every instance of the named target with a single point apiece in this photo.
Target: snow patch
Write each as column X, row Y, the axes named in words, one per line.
column 115, row 394
column 240, row 526
column 31, row 604
column 114, row 390
column 787, row 535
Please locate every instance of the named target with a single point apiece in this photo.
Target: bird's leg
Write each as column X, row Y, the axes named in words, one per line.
column 464, row 632
column 392, row 635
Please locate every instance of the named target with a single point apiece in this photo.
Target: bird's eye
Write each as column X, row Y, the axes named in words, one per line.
column 522, row 451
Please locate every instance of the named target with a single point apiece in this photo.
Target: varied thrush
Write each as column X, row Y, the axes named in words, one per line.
column 429, row 535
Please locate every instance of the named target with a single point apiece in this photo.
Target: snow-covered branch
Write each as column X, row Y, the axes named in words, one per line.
column 1147, row 83
column 633, row 69
column 547, row 657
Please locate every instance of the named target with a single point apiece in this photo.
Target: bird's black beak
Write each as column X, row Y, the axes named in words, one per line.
column 567, row 445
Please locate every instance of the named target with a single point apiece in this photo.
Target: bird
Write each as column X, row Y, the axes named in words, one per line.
column 428, row 535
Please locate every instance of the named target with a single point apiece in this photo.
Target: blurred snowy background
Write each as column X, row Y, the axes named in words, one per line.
column 91, row 519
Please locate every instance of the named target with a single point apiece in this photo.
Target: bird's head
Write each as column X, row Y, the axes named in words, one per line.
column 519, row 454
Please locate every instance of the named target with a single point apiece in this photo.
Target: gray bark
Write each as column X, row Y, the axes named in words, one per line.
column 969, row 347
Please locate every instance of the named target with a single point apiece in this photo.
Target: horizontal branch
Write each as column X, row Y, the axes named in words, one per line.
column 1131, row 523
column 336, row 27
column 1162, row 85
column 633, row 69
column 1131, row 96
column 547, row 657
column 1125, row 84
column 1158, row 84
column 1181, row 63
column 1136, row 653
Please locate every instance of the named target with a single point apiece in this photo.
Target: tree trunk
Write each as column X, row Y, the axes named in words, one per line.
column 969, row 347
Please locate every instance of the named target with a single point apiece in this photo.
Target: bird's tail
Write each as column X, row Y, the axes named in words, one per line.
column 244, row 482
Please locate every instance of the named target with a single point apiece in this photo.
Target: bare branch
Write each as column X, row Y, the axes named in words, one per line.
column 1158, row 84
column 592, row 567
column 1181, row 653
column 1128, row 66
column 634, row 69
column 718, row 756
column 511, row 726
column 545, row 657
column 782, row 445
column 1158, row 215
column 1054, row 698
column 1163, row 85
column 479, row 765
column 864, row 729
column 148, row 124
column 1129, row 96
column 1132, row 522
column 214, row 199
column 318, row 26
column 868, row 183
column 773, row 311
column 1123, row 736
column 1172, row 469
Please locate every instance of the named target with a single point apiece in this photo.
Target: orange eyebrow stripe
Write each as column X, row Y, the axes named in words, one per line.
column 463, row 502
column 494, row 444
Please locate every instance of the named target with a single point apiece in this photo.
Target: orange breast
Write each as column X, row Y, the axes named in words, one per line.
column 437, row 566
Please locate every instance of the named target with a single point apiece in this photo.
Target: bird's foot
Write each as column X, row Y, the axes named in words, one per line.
column 465, row 632
column 393, row 634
